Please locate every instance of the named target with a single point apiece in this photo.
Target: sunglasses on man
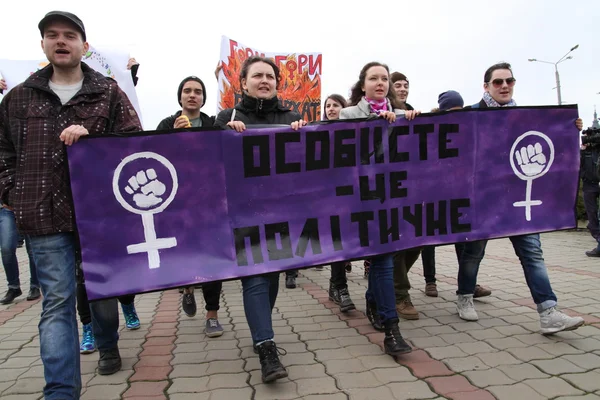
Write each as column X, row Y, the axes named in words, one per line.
column 498, row 82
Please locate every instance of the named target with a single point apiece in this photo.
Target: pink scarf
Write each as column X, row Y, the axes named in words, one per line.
column 378, row 106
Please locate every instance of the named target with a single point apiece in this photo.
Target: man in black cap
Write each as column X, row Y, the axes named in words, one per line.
column 53, row 109
column 191, row 96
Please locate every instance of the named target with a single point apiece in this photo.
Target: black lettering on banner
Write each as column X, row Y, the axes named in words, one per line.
column 240, row 235
column 443, row 149
column 393, row 229
column 363, row 219
column 455, row 214
column 422, row 130
column 293, row 105
column 395, row 155
column 365, row 191
column 264, row 156
column 336, row 232
column 344, row 190
column 396, row 189
column 344, row 154
column 312, row 138
column 281, row 139
column 415, row 219
column 438, row 224
column 283, row 230
column 365, row 149
column 310, row 233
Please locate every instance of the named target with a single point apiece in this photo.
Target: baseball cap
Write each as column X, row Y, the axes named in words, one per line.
column 64, row 15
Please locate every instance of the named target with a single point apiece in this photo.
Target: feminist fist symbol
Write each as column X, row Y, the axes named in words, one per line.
column 531, row 159
column 146, row 188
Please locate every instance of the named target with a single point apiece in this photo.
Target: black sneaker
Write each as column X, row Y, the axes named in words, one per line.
column 109, row 362
column 34, row 294
column 290, row 281
column 10, row 296
column 346, row 303
column 271, row 367
column 393, row 343
column 348, row 267
column 188, row 303
column 334, row 294
column 373, row 316
column 593, row 253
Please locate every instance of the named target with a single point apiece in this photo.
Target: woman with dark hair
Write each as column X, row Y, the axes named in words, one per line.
column 259, row 79
column 338, row 283
column 372, row 97
column 333, row 105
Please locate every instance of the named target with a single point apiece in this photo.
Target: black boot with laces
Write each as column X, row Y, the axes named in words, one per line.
column 271, row 367
column 393, row 342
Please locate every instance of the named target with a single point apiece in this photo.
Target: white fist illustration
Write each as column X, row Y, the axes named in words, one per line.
column 146, row 188
column 531, row 159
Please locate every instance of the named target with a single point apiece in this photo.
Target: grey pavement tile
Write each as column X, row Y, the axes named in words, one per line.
column 516, row 391
column 522, row 371
column 559, row 348
column 411, row 390
column 279, row 391
column 312, row 386
column 189, row 385
column 498, row 358
column 585, row 361
column 476, row 348
column 462, row 364
column 530, row 353
column 553, row 387
column 381, row 392
column 297, row 372
column 104, row 392
column 114, row 379
column 391, row 375
column 337, row 367
column 587, row 381
column 26, row 386
column 557, row 366
column 488, row 377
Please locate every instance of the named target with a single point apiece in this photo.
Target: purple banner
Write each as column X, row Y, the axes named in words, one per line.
column 163, row 210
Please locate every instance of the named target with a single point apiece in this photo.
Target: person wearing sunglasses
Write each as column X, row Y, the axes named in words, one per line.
column 498, row 85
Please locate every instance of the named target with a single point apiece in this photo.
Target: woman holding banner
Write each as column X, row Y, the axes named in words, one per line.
column 338, row 283
column 259, row 79
column 371, row 97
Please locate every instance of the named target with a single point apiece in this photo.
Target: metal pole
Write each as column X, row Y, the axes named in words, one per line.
column 557, row 84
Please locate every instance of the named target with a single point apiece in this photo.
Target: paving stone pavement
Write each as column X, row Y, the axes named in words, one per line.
column 334, row 356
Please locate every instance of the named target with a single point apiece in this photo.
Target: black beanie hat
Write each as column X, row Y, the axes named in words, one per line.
column 191, row 78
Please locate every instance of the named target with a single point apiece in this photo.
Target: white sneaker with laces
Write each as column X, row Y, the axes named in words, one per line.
column 465, row 307
column 553, row 321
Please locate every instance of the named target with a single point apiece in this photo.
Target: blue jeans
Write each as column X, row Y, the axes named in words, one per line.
column 260, row 293
column 529, row 250
column 54, row 257
column 105, row 323
column 381, row 286
column 9, row 237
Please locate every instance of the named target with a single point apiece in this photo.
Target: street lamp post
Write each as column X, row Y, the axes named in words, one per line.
column 556, row 75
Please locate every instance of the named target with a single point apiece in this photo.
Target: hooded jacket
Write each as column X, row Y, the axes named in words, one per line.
column 253, row 111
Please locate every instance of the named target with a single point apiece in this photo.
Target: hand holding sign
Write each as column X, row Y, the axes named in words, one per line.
column 531, row 159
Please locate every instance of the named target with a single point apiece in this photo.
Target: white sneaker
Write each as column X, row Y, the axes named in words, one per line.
column 465, row 307
column 553, row 321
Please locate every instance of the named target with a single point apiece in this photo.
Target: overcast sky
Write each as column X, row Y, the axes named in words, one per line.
column 439, row 45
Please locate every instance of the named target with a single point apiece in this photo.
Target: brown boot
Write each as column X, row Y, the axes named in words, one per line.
column 431, row 289
column 480, row 291
column 406, row 309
